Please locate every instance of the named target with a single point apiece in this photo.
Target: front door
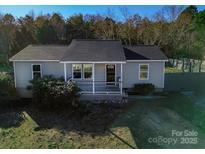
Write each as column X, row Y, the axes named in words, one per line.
column 110, row 74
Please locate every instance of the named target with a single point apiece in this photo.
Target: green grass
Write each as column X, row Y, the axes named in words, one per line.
column 158, row 117
column 191, row 108
column 105, row 127
column 31, row 128
column 172, row 70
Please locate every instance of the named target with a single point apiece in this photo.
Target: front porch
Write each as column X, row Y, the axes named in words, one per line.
column 100, row 87
column 96, row 78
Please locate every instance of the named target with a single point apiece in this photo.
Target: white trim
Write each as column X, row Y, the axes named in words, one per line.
column 93, row 75
column 106, row 92
column 86, row 92
column 140, row 71
column 163, row 74
column 65, row 72
column 100, row 92
column 106, row 72
column 82, row 72
column 121, row 77
column 85, row 62
column 72, row 71
column 34, row 60
column 146, row 60
column 32, row 70
column 14, row 66
column 90, row 62
column 81, row 75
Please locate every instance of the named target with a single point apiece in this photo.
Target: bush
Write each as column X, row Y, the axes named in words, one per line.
column 143, row 89
column 7, row 89
column 54, row 92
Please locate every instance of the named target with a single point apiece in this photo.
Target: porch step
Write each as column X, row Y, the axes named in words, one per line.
column 105, row 98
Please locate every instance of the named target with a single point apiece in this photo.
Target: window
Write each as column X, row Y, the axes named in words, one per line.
column 82, row 71
column 36, row 71
column 87, row 71
column 144, row 72
column 77, row 71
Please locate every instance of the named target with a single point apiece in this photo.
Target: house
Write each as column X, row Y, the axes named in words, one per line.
column 97, row 66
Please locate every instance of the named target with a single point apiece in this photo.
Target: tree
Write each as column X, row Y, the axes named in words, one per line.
column 28, row 30
column 7, row 29
column 187, row 36
column 178, row 31
column 200, row 28
column 146, row 32
column 46, row 34
column 58, row 24
column 75, row 28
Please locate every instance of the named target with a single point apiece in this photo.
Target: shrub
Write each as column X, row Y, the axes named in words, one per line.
column 7, row 89
column 49, row 91
column 143, row 89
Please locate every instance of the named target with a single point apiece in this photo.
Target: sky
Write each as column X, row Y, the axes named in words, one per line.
column 68, row 10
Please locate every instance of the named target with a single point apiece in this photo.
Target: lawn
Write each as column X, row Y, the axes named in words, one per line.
column 32, row 128
column 158, row 117
column 172, row 70
column 105, row 126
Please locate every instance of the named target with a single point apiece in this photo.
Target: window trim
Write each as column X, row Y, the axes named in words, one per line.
column 106, row 71
column 142, row 71
column 36, row 71
column 82, row 72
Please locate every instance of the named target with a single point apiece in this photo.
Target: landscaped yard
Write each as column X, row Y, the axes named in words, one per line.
column 105, row 127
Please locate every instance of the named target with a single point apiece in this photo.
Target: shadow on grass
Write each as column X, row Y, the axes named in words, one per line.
column 11, row 119
column 11, row 113
column 121, row 139
column 152, row 118
column 143, row 118
column 96, row 120
column 134, row 119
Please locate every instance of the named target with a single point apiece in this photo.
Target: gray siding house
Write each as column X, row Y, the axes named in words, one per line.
column 97, row 66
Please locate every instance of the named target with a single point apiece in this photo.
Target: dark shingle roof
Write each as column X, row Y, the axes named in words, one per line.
column 90, row 50
column 144, row 52
column 41, row 52
column 94, row 50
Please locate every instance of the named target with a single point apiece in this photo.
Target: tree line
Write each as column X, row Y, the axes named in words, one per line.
column 178, row 31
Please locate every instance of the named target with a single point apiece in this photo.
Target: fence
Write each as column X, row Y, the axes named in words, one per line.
column 184, row 81
column 177, row 63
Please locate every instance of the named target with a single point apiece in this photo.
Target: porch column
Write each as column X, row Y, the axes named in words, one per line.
column 121, row 77
column 93, row 74
column 65, row 72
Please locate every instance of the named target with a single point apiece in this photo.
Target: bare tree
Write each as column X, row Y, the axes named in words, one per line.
column 171, row 12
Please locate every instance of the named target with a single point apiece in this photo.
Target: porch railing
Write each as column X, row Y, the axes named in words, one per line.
column 100, row 87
